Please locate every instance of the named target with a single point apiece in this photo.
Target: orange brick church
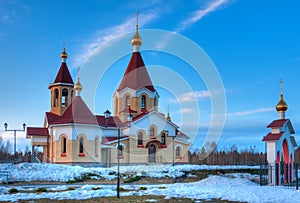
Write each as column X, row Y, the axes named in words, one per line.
column 73, row 134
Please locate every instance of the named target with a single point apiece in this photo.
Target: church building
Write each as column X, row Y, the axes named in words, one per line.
column 280, row 146
column 137, row 133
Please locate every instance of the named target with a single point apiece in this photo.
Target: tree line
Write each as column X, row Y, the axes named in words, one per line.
column 210, row 155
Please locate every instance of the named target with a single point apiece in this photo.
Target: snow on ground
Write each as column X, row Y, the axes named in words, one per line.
column 234, row 188
column 29, row 172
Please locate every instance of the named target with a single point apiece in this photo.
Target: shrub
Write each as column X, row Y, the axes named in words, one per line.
column 121, row 189
column 143, row 188
column 85, row 177
column 132, row 179
column 71, row 188
column 71, row 181
column 96, row 188
column 162, row 187
column 41, row 189
column 13, row 190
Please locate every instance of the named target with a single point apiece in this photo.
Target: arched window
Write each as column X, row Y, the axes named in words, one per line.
column 96, row 146
column 151, row 132
column 128, row 101
column 163, row 139
column 64, row 145
column 55, row 103
column 140, row 138
column 143, row 102
column 120, row 151
column 64, row 98
column 177, row 151
column 81, row 145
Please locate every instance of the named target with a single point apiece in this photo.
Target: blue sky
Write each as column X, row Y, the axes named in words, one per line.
column 253, row 45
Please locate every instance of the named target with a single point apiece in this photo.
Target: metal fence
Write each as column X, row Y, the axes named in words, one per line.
column 279, row 174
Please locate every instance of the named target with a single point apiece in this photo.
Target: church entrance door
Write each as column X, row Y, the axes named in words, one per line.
column 152, row 153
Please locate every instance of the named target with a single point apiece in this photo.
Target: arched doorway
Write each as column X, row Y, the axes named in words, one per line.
column 285, row 154
column 152, row 153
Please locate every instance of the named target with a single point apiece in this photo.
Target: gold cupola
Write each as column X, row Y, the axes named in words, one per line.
column 136, row 41
column 78, row 85
column 64, row 55
column 281, row 106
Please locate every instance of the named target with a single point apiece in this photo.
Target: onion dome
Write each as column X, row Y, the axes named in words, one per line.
column 136, row 40
column 168, row 117
column 64, row 54
column 281, row 106
column 78, row 86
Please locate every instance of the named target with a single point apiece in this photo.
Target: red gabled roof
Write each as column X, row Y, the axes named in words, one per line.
column 272, row 137
column 277, row 123
column 136, row 75
column 112, row 121
column 77, row 112
column 31, row 131
column 140, row 116
column 63, row 75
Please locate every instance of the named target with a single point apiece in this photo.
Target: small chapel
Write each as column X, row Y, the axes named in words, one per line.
column 280, row 146
column 136, row 133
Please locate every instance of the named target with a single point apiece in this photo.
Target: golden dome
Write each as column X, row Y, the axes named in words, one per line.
column 136, row 40
column 78, row 86
column 168, row 117
column 64, row 54
column 281, row 106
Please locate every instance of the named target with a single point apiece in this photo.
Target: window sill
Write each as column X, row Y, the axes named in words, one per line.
column 178, row 157
column 81, row 154
column 140, row 146
column 96, row 155
column 63, row 155
column 120, row 157
column 153, row 138
column 163, row 146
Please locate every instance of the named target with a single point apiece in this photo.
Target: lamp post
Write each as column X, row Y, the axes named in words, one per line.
column 129, row 119
column 15, row 138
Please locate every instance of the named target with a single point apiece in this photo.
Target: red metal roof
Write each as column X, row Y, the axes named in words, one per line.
column 140, row 116
column 77, row 112
column 277, row 123
column 63, row 75
column 136, row 75
column 272, row 137
column 32, row 131
column 112, row 121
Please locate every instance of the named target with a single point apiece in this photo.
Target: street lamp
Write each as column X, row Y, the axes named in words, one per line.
column 15, row 138
column 107, row 115
column 129, row 119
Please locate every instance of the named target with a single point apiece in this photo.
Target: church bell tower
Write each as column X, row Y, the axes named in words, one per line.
column 62, row 88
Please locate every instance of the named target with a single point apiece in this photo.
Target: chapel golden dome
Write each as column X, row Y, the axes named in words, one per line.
column 282, row 105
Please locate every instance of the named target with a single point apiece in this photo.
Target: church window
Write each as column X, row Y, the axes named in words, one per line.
column 143, row 102
column 177, row 151
column 64, row 98
column 64, row 145
column 96, row 146
column 151, row 132
column 55, row 98
column 140, row 138
column 81, row 145
column 128, row 101
column 163, row 139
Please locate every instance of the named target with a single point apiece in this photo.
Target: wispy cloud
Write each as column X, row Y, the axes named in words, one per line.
column 195, row 95
column 102, row 37
column 200, row 13
column 245, row 113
